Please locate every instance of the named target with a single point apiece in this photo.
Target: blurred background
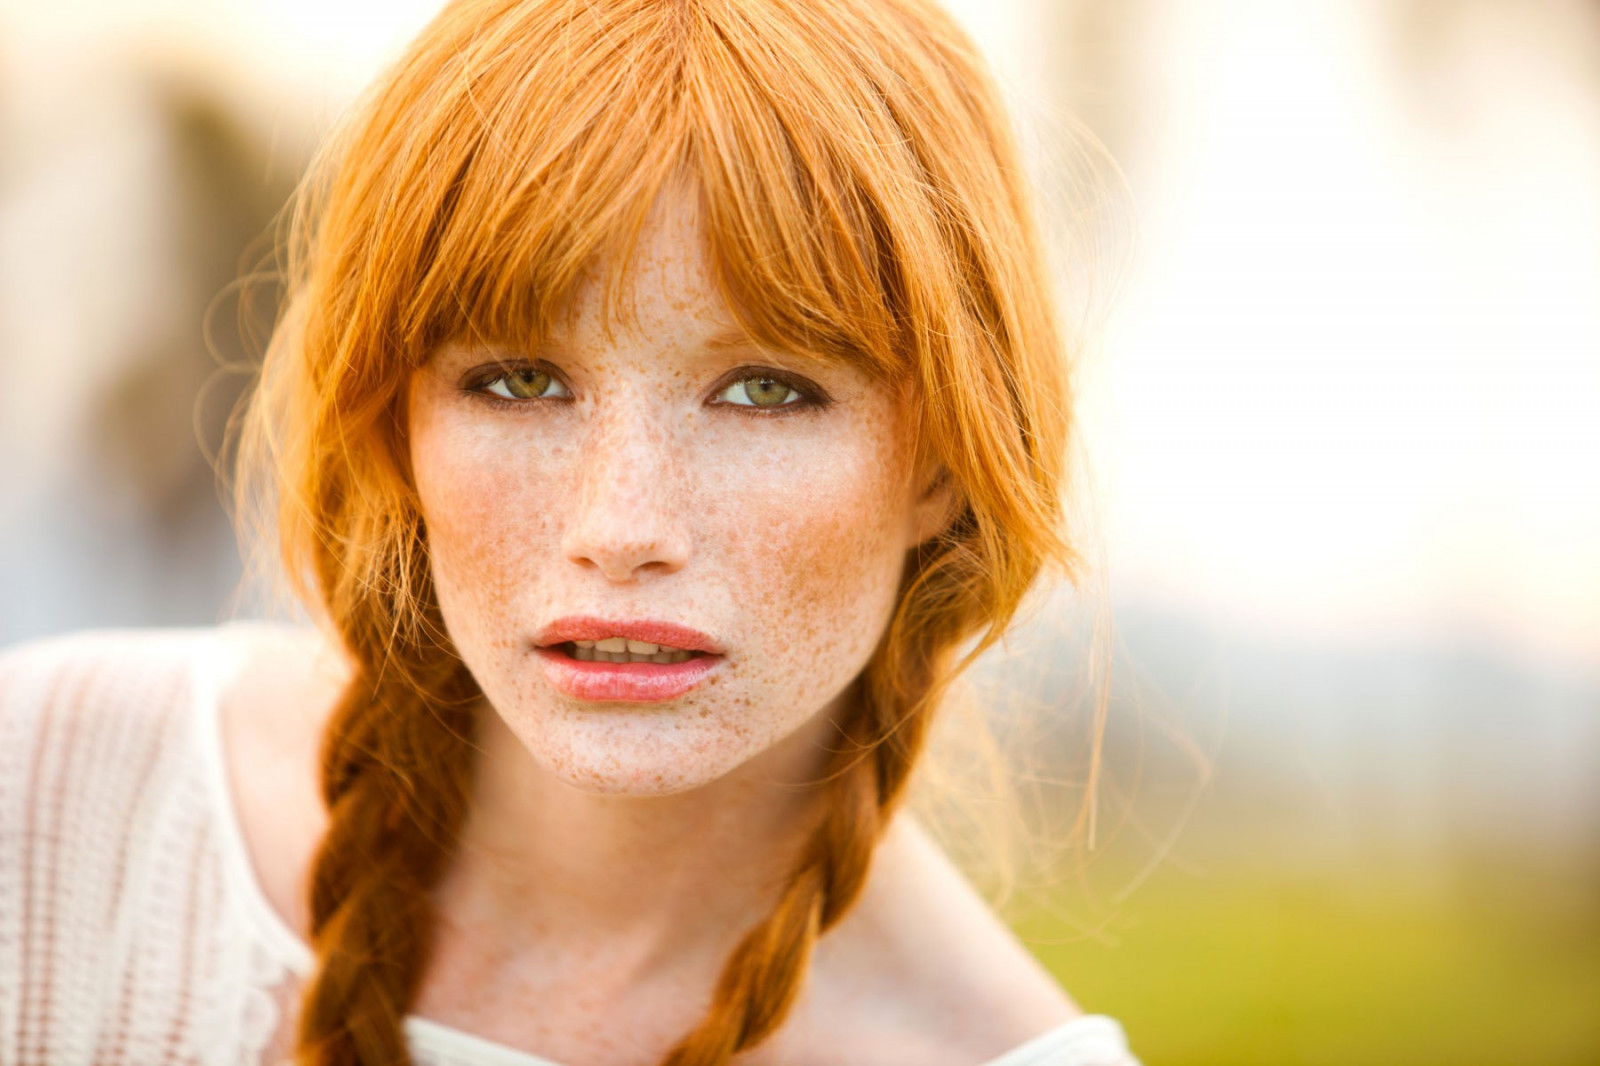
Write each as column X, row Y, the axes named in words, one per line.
column 1339, row 403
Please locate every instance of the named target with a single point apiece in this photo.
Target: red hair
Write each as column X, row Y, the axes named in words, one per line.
column 863, row 199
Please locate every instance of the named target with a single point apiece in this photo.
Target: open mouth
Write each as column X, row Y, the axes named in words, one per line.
column 623, row 650
column 616, row 669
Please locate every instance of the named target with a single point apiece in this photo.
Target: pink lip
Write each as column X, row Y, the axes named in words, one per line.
column 625, row 682
column 586, row 627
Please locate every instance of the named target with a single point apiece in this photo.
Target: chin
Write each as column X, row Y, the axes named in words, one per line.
column 623, row 751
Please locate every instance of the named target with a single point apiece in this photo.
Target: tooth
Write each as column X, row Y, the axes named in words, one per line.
column 661, row 657
column 611, row 644
column 584, row 643
column 639, row 647
column 583, row 654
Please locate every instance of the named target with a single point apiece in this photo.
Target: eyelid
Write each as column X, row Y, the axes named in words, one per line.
column 812, row 395
column 479, row 378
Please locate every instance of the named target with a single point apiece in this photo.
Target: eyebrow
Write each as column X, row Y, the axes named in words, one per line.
column 730, row 338
column 735, row 338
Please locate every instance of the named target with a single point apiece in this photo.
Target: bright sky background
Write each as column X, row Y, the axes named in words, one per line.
column 1352, row 386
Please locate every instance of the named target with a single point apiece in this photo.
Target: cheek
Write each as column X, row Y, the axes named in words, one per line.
column 488, row 517
column 818, row 558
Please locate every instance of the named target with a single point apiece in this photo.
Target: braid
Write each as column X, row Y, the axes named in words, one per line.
column 396, row 767
column 866, row 780
column 762, row 978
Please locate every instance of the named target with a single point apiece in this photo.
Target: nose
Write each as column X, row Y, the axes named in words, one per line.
column 631, row 512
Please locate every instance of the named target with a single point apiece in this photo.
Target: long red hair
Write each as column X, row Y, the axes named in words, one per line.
column 863, row 198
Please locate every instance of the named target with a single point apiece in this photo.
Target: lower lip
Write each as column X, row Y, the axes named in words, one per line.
column 624, row 682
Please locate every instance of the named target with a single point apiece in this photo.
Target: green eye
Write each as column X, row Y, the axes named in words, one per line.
column 760, row 391
column 526, row 383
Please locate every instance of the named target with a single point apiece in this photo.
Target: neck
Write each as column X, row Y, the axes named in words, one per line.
column 552, row 872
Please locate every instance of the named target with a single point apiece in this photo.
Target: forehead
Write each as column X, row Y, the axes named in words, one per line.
column 666, row 289
column 666, row 293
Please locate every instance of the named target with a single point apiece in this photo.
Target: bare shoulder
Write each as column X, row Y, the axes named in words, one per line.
column 923, row 961
column 271, row 716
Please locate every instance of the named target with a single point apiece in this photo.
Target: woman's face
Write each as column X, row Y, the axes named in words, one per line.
column 667, row 475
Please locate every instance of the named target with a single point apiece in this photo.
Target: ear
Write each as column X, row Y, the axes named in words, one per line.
column 935, row 507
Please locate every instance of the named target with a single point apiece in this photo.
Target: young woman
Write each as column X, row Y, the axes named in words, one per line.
column 667, row 402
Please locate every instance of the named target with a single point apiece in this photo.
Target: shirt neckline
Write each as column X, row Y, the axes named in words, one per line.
column 217, row 662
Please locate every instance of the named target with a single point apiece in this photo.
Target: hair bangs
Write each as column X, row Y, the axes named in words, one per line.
column 543, row 177
column 802, row 170
column 527, row 176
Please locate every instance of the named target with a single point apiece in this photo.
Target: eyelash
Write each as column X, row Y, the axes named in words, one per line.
column 811, row 397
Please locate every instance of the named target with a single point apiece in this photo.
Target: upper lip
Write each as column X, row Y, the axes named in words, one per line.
column 646, row 630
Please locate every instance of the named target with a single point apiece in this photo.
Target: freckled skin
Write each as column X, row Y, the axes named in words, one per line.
column 780, row 534
column 614, row 853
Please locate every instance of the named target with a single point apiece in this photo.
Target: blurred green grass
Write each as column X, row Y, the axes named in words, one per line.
column 1483, row 961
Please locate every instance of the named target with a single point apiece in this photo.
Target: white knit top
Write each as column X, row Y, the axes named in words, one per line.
column 132, row 927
